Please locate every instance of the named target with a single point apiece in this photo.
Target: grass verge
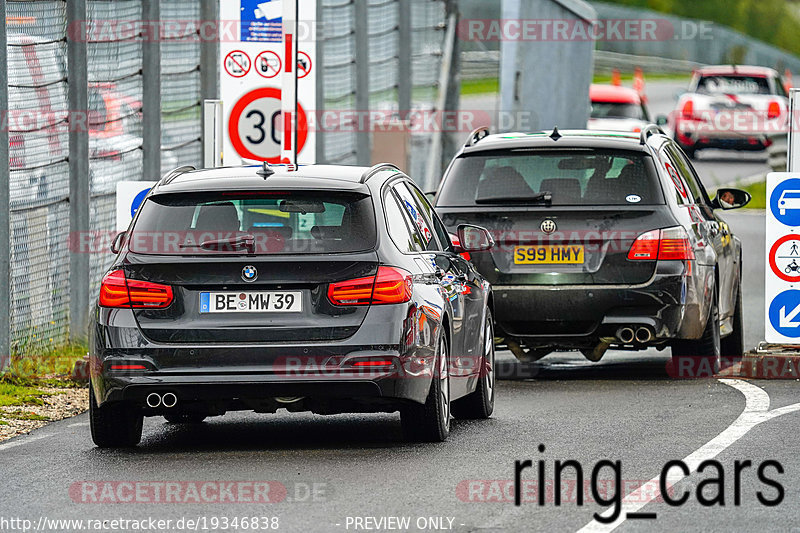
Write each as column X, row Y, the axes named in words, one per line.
column 36, row 386
column 758, row 191
column 492, row 85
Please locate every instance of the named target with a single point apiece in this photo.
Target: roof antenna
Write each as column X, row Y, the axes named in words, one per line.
column 555, row 135
column 265, row 171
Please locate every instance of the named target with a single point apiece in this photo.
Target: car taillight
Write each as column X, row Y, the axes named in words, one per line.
column 116, row 291
column 671, row 244
column 390, row 285
column 774, row 110
column 688, row 109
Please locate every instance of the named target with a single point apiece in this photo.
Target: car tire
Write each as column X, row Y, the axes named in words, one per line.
column 479, row 404
column 732, row 346
column 430, row 422
column 690, row 151
column 185, row 418
column 114, row 426
column 706, row 347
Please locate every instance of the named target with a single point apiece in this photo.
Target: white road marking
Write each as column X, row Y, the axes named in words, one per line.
column 22, row 440
column 755, row 412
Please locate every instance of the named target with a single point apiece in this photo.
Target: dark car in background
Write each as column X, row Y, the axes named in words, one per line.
column 322, row 288
column 603, row 239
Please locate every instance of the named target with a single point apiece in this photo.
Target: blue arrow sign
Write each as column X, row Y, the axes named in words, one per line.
column 785, row 202
column 784, row 313
column 137, row 201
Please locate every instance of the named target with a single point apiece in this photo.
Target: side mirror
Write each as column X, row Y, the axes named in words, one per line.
column 118, row 242
column 474, row 238
column 662, row 120
column 730, row 199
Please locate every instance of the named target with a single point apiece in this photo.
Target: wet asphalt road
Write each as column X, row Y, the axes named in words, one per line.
column 340, row 472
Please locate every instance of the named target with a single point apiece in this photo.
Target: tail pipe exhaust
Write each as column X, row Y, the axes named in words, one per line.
column 643, row 335
column 625, row 335
column 169, row 400
column 153, row 400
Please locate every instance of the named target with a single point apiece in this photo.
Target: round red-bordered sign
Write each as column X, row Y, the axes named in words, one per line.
column 271, row 58
column 673, row 174
column 774, row 250
column 303, row 72
column 236, row 115
column 245, row 68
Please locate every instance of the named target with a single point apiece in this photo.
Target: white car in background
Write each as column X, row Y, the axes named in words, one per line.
column 731, row 107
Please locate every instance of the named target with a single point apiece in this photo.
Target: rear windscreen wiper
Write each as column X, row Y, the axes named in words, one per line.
column 545, row 197
column 248, row 241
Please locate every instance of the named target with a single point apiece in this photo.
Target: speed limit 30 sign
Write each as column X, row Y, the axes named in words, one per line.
column 255, row 127
column 251, row 81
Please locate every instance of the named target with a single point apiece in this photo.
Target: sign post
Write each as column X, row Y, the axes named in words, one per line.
column 782, row 284
column 212, row 133
column 793, row 138
column 289, row 90
column 267, row 98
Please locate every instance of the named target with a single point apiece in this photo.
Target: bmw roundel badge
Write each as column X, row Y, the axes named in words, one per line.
column 249, row 273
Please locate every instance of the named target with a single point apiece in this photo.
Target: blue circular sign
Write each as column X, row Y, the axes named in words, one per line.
column 139, row 198
column 785, row 202
column 784, row 313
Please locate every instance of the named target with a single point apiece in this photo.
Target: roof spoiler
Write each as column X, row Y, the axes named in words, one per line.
column 647, row 131
column 174, row 173
column 476, row 135
column 375, row 169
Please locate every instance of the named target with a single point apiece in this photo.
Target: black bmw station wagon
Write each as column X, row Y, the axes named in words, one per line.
column 328, row 289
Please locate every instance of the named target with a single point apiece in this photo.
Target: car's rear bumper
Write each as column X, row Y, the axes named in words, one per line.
column 249, row 389
column 669, row 305
column 705, row 135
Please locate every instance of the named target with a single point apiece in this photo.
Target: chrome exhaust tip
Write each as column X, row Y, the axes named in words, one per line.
column 289, row 399
column 153, row 400
column 169, row 400
column 625, row 335
column 643, row 335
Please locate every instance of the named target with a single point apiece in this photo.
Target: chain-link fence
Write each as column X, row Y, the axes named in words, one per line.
column 38, row 170
column 180, row 85
column 40, row 122
column 114, row 65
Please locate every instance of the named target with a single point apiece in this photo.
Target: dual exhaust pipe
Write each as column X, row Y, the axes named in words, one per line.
column 167, row 400
column 641, row 334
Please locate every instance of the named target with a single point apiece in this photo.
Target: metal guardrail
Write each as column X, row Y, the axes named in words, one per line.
column 477, row 65
column 777, row 152
column 606, row 61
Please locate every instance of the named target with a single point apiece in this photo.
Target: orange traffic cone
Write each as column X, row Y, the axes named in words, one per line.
column 638, row 83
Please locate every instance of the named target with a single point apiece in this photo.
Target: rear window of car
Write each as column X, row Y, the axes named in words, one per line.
column 571, row 177
column 733, row 84
column 616, row 110
column 254, row 222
